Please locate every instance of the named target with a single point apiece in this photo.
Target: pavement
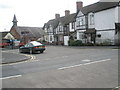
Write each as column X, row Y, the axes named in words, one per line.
column 9, row 56
column 96, row 47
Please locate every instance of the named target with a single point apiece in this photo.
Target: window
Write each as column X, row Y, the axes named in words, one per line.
column 60, row 28
column 51, row 30
column 73, row 25
column 81, row 35
column 80, row 22
column 28, row 45
column 119, row 3
column 92, row 19
column 24, row 32
column 66, row 29
column 50, row 38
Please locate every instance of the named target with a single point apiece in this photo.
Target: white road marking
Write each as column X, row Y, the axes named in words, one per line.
column 84, row 64
column 86, row 60
column 10, row 77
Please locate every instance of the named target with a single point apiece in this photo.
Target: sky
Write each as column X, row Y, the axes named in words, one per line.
column 34, row 13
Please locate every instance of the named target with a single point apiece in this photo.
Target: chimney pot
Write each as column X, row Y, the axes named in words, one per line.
column 79, row 5
column 57, row 16
column 67, row 12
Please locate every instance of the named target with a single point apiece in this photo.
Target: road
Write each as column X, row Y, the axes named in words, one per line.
column 64, row 67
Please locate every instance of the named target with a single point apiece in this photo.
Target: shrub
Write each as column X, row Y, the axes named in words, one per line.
column 75, row 42
column 88, row 44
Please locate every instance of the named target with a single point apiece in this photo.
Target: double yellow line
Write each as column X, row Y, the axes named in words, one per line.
column 30, row 59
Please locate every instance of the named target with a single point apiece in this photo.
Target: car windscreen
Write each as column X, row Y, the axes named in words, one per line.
column 28, row 45
column 34, row 43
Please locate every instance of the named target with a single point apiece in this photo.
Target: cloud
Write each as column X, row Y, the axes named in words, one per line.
column 109, row 0
column 2, row 6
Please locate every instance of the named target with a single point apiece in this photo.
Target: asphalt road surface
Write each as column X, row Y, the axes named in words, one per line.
column 64, row 67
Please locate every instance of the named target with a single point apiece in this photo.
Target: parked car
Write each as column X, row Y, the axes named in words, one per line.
column 21, row 44
column 4, row 43
column 32, row 47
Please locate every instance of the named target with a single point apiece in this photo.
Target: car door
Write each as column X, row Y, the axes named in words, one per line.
column 26, row 48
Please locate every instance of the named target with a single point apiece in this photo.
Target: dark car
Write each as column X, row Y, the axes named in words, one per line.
column 32, row 47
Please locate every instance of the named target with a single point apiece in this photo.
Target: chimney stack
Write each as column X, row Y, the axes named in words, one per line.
column 79, row 5
column 57, row 16
column 67, row 12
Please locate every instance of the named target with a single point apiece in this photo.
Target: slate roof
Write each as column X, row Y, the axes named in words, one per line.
column 99, row 6
column 53, row 22
column 64, row 20
column 30, row 31
column 96, row 7
column 14, row 19
column 67, row 19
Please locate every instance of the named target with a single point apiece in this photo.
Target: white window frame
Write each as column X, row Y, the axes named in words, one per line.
column 92, row 19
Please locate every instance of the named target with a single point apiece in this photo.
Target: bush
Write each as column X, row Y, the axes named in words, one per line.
column 88, row 44
column 75, row 42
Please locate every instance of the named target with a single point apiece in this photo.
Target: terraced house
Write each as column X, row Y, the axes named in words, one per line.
column 60, row 29
column 94, row 24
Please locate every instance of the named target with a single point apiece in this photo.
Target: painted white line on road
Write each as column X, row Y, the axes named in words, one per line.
column 86, row 60
column 84, row 64
column 10, row 77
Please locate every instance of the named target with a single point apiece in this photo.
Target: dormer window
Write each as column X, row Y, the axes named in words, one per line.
column 25, row 32
column 80, row 21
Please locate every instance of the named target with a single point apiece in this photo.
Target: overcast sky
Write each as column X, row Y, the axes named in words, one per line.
column 34, row 13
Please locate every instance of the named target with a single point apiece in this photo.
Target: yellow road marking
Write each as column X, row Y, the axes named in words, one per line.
column 31, row 59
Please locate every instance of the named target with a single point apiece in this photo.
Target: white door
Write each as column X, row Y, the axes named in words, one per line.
column 66, row 39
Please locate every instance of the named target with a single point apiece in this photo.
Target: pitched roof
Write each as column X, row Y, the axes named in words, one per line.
column 64, row 20
column 53, row 22
column 14, row 19
column 99, row 6
column 30, row 31
column 3, row 34
column 67, row 19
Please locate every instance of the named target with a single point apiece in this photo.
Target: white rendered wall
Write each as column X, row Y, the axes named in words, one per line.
column 117, row 14
column 106, row 36
column 105, row 19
